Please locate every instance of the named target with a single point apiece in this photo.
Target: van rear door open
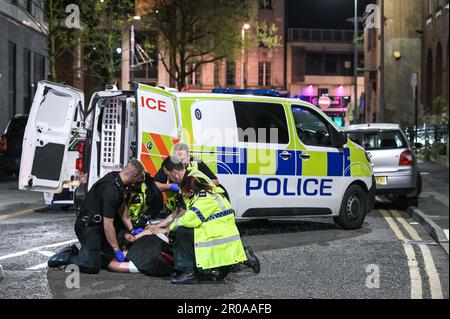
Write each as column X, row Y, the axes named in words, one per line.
column 158, row 126
column 54, row 115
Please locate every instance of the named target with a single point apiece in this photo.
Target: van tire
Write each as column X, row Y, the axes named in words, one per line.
column 353, row 208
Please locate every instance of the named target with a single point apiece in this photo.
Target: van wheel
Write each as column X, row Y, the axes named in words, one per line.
column 353, row 208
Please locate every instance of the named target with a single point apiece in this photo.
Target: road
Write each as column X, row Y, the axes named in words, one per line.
column 391, row 256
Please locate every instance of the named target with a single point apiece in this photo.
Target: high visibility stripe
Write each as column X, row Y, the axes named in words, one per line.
column 285, row 166
column 299, row 162
column 219, row 202
column 199, row 213
column 148, row 164
column 160, row 144
column 221, row 214
column 218, row 241
column 335, row 164
column 347, row 162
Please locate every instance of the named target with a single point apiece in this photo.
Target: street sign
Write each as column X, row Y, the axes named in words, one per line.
column 414, row 79
column 324, row 102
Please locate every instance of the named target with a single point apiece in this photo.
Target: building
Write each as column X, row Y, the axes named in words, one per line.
column 402, row 58
column 262, row 67
column 24, row 50
column 435, row 52
column 320, row 62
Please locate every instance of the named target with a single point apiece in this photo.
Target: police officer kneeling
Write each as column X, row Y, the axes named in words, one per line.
column 98, row 220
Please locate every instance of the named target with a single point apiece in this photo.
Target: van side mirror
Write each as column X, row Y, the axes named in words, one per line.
column 341, row 139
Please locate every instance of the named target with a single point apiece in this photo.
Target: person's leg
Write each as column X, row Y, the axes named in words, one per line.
column 89, row 257
column 183, row 248
column 184, row 255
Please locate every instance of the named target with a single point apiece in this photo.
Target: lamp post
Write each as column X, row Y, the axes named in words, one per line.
column 355, row 64
column 246, row 26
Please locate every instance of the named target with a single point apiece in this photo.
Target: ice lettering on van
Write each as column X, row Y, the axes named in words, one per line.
column 273, row 187
column 153, row 104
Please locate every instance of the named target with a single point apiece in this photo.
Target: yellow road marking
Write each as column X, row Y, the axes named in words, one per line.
column 414, row 273
column 21, row 213
column 433, row 276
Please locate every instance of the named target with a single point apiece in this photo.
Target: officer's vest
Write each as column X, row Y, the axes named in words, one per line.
column 193, row 171
column 137, row 204
column 217, row 241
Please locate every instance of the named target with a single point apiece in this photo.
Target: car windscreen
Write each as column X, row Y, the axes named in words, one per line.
column 379, row 140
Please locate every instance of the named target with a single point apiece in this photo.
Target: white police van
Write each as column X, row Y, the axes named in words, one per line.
column 276, row 157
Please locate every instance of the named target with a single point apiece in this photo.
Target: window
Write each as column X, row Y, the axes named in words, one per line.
column 312, row 129
column 331, row 63
column 231, row 73
column 39, row 69
column 26, row 80
column 261, row 123
column 217, row 73
column 313, row 64
column 12, row 77
column 378, row 140
column 264, row 73
column 265, row 4
column 195, row 77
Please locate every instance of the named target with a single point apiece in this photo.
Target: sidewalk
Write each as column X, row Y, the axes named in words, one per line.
column 12, row 199
column 433, row 209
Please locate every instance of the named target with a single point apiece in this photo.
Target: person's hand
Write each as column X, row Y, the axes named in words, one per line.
column 153, row 227
column 137, row 231
column 174, row 188
column 120, row 257
column 130, row 238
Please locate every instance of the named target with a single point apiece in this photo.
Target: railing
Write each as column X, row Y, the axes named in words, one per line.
column 428, row 134
column 321, row 35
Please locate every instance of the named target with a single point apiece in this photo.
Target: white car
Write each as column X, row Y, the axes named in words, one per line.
column 393, row 158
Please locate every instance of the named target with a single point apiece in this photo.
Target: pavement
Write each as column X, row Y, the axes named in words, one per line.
column 13, row 200
column 433, row 209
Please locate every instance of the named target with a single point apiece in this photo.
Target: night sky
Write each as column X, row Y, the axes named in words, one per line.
column 323, row 14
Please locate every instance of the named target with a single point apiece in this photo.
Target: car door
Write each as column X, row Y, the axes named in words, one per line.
column 55, row 116
column 321, row 167
column 158, row 126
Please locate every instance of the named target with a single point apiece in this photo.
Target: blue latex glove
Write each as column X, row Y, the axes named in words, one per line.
column 137, row 231
column 120, row 256
column 174, row 188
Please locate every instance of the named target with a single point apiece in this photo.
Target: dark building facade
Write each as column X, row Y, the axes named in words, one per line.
column 435, row 56
column 24, row 58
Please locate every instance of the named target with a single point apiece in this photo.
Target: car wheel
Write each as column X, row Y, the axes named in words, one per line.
column 353, row 208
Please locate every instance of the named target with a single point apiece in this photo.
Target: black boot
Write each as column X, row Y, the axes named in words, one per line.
column 188, row 277
column 252, row 261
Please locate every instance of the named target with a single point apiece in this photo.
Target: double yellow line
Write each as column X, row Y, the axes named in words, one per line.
column 414, row 271
column 21, row 213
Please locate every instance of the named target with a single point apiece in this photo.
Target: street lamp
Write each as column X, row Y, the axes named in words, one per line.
column 246, row 26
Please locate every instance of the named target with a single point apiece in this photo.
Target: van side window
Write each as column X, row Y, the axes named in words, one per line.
column 312, row 129
column 261, row 122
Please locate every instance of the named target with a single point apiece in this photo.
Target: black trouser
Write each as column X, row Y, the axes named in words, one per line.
column 95, row 252
column 183, row 248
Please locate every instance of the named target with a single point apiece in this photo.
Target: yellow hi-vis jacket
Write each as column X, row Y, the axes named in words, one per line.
column 217, row 241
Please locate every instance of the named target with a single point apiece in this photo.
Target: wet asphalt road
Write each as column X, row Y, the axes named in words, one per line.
column 308, row 258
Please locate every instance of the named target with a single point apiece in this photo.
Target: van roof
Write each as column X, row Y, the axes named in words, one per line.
column 188, row 95
column 372, row 126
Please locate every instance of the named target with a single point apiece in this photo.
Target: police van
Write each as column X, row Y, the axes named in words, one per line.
column 276, row 157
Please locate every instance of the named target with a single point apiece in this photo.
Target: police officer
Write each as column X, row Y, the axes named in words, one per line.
column 208, row 223
column 99, row 221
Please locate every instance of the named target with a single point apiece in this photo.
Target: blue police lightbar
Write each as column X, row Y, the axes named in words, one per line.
column 247, row 92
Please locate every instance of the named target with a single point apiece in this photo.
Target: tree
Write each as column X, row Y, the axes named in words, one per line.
column 196, row 32
column 103, row 24
column 59, row 37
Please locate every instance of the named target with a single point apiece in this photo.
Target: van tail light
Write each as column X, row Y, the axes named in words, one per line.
column 3, row 144
column 406, row 158
column 79, row 164
column 79, row 160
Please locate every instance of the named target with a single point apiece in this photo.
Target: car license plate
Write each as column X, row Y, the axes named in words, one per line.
column 381, row 180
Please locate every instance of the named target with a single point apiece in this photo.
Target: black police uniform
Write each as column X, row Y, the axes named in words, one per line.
column 103, row 200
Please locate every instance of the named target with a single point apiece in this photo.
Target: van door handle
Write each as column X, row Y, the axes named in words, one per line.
column 285, row 155
column 305, row 156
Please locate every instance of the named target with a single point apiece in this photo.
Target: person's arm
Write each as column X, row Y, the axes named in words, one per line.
column 127, row 220
column 189, row 219
column 163, row 187
column 110, row 232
